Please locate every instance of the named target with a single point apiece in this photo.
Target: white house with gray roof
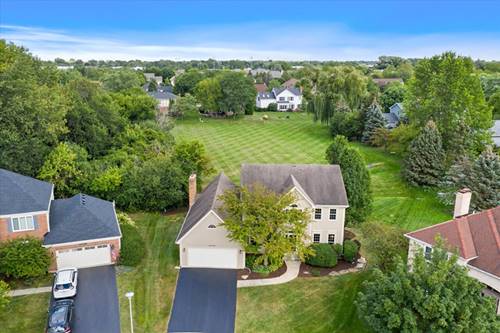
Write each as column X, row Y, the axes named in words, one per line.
column 319, row 189
column 495, row 133
column 81, row 231
column 285, row 98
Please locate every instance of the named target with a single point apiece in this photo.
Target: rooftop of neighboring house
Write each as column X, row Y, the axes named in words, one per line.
column 496, row 132
column 290, row 83
column 385, row 81
column 22, row 194
column 261, row 87
column 276, row 91
column 162, row 95
column 81, row 217
column 323, row 184
column 205, row 202
column 475, row 236
column 390, row 118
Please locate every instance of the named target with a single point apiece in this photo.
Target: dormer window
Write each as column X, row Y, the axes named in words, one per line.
column 23, row 223
column 212, row 226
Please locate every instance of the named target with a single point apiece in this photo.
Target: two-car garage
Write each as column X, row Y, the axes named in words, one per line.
column 211, row 257
column 85, row 256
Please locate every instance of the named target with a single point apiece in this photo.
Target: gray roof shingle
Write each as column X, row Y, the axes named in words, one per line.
column 162, row 95
column 23, row 194
column 322, row 183
column 205, row 202
column 79, row 218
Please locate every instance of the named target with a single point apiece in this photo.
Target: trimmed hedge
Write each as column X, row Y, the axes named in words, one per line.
column 350, row 250
column 324, row 256
column 338, row 248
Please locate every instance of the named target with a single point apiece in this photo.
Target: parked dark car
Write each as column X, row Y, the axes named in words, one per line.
column 60, row 315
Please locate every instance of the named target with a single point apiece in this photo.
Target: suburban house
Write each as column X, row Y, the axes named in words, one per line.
column 261, row 87
column 153, row 77
column 475, row 238
column 381, row 83
column 273, row 74
column 81, row 231
column 164, row 99
column 496, row 133
column 290, row 83
column 284, row 98
column 319, row 189
column 394, row 117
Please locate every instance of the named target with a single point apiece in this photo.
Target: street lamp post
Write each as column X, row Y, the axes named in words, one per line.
column 129, row 295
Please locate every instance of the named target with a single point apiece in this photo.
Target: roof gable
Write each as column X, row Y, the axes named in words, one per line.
column 81, row 217
column 323, row 184
column 23, row 194
column 475, row 236
column 206, row 201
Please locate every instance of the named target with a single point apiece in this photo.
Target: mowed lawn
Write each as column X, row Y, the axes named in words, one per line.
column 294, row 138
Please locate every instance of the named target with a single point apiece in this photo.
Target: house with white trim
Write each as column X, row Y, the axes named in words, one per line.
column 81, row 231
column 285, row 98
column 203, row 240
column 474, row 237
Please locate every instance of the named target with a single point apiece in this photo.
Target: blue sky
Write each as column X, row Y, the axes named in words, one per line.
column 289, row 30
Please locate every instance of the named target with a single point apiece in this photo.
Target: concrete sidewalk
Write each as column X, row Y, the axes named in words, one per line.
column 29, row 291
column 292, row 271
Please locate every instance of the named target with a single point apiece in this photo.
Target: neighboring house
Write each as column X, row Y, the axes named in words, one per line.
column 475, row 237
column 149, row 76
column 496, row 133
column 261, row 87
column 291, row 83
column 81, row 231
column 381, row 83
column 164, row 99
column 273, row 74
column 203, row 240
column 395, row 115
column 285, row 99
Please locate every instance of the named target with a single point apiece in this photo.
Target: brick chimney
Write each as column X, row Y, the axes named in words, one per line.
column 462, row 202
column 192, row 189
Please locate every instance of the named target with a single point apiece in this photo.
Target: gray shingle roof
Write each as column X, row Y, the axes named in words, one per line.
column 79, row 218
column 205, row 202
column 390, row 118
column 322, row 183
column 293, row 90
column 23, row 194
column 162, row 95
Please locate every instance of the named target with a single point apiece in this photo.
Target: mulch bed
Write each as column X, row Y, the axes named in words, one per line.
column 255, row 276
column 306, row 270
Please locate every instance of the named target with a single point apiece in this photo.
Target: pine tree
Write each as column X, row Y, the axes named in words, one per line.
column 373, row 121
column 485, row 180
column 424, row 164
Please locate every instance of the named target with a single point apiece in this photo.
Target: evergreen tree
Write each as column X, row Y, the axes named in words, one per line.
column 356, row 178
column 424, row 164
column 373, row 121
column 485, row 180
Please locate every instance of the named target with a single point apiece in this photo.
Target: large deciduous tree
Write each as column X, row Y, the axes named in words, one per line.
column 209, row 92
column 393, row 93
column 135, row 104
column 425, row 162
column 238, row 93
column 436, row 296
column 186, row 82
column 356, row 178
column 122, row 79
column 264, row 223
column 447, row 89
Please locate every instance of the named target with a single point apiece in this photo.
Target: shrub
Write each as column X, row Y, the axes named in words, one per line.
column 132, row 250
column 350, row 250
column 272, row 107
column 250, row 260
column 24, row 258
column 324, row 256
column 4, row 294
column 348, row 124
column 338, row 248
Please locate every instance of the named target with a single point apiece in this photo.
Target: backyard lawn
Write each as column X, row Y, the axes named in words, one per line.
column 294, row 138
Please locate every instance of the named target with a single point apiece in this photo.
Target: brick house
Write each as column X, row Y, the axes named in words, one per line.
column 81, row 231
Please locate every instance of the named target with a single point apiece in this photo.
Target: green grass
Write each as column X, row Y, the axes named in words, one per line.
column 231, row 142
column 153, row 280
column 304, row 305
column 25, row 314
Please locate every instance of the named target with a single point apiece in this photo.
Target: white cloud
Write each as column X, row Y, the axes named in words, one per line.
column 271, row 40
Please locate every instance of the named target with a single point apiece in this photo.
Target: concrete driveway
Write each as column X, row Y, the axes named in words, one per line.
column 205, row 301
column 96, row 303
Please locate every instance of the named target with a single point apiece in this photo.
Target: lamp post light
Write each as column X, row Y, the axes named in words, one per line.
column 129, row 295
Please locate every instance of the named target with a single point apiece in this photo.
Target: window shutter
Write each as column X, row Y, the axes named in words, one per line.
column 35, row 222
column 9, row 224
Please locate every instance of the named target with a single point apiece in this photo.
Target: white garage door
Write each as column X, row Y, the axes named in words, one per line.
column 212, row 257
column 88, row 256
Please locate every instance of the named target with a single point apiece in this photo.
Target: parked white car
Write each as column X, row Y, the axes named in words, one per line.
column 65, row 283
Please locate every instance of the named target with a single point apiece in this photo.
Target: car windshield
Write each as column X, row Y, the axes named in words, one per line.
column 58, row 317
column 63, row 286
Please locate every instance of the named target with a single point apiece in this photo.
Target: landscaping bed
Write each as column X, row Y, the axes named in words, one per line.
column 255, row 276
column 314, row 271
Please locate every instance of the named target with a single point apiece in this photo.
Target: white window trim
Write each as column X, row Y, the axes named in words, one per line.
column 330, row 214
column 328, row 240
column 319, row 234
column 18, row 218
column 320, row 214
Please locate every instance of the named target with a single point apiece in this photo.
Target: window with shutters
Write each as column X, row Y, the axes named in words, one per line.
column 23, row 223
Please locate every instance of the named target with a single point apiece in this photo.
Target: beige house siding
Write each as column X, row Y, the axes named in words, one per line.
column 203, row 236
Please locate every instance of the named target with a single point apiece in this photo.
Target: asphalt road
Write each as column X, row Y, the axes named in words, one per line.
column 205, row 301
column 96, row 303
